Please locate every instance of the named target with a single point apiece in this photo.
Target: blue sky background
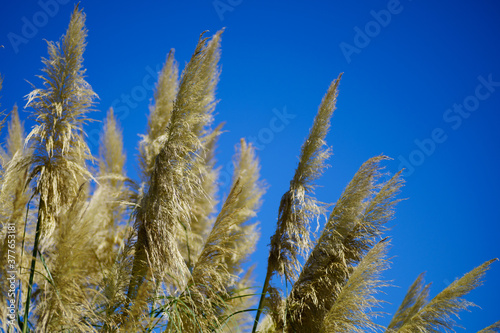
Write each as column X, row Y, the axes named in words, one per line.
column 397, row 97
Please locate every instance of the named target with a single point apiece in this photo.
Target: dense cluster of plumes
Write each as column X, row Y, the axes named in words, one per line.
column 100, row 252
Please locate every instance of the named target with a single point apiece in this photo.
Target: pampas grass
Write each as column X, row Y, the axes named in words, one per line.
column 99, row 252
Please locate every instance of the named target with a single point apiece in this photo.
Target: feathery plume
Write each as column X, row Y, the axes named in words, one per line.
column 354, row 223
column 491, row 329
column 60, row 108
column 108, row 199
column 14, row 178
column 15, row 140
column 298, row 205
column 13, row 199
column 166, row 207
column 159, row 116
column 247, row 172
column 210, row 276
column 112, row 157
column 438, row 313
column 58, row 159
column 415, row 299
column 353, row 308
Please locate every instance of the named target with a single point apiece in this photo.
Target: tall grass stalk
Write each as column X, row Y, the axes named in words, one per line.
column 32, row 268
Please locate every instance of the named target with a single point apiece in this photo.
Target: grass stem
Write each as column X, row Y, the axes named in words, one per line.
column 33, row 265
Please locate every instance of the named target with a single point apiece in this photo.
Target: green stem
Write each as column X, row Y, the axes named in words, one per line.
column 261, row 302
column 33, row 264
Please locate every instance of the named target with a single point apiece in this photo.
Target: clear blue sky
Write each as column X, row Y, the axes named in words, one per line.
column 421, row 84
